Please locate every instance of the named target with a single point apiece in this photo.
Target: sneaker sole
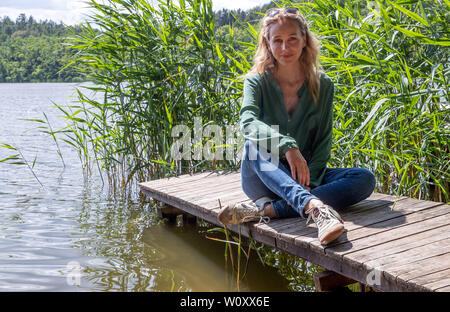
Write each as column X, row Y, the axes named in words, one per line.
column 332, row 235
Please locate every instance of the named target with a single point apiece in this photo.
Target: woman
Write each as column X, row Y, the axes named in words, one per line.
column 287, row 119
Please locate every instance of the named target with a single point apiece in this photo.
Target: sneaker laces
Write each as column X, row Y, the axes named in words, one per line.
column 250, row 210
column 324, row 212
column 264, row 219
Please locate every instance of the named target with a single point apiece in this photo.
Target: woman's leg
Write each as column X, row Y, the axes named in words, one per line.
column 342, row 187
column 263, row 176
column 266, row 176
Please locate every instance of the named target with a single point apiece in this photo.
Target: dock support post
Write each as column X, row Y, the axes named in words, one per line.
column 189, row 219
column 170, row 213
column 331, row 281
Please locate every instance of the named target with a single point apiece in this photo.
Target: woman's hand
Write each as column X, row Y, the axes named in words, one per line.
column 299, row 167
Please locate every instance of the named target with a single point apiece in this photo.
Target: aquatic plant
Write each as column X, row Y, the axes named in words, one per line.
column 162, row 66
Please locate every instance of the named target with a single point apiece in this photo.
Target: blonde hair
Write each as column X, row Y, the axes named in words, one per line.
column 309, row 61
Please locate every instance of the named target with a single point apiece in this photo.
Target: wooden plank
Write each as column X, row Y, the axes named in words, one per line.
column 186, row 180
column 305, row 235
column 171, row 181
column 313, row 257
column 374, row 201
column 375, row 217
column 388, row 248
column 443, row 282
column 373, row 207
column 425, row 266
column 181, row 204
column 207, row 191
column 307, row 238
column 415, row 230
column 446, row 289
column 412, row 256
column 188, row 186
column 381, row 238
column 434, row 281
column 391, row 229
column 374, row 222
column 190, row 195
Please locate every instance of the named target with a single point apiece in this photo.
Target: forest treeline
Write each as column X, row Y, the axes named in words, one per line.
column 159, row 68
column 36, row 51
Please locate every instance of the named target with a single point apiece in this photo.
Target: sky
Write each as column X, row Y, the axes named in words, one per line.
column 74, row 11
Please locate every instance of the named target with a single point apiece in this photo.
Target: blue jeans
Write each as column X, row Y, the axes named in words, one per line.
column 263, row 177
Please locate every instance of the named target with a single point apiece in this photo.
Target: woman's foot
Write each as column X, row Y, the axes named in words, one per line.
column 240, row 213
column 329, row 223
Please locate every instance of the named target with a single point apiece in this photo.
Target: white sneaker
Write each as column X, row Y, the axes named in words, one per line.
column 240, row 213
column 328, row 221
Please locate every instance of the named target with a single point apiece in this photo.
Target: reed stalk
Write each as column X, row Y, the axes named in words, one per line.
column 162, row 66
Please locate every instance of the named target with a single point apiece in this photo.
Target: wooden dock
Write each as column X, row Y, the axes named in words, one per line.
column 405, row 249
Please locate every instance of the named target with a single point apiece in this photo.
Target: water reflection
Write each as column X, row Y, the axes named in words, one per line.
column 143, row 253
column 73, row 235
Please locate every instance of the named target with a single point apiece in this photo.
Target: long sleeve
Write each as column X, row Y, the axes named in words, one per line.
column 252, row 126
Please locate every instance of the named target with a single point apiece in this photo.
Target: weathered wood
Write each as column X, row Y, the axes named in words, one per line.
column 385, row 249
column 181, row 182
column 402, row 249
column 191, row 192
column 329, row 281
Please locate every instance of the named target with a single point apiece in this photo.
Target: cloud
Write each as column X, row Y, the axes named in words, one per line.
column 72, row 12
column 69, row 12
column 34, row 4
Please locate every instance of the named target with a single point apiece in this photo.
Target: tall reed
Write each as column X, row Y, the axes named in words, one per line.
column 160, row 66
column 157, row 66
column 390, row 63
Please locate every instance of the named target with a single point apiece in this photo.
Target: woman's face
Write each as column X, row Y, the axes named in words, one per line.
column 286, row 42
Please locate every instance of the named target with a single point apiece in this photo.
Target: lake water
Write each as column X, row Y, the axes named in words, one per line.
column 71, row 234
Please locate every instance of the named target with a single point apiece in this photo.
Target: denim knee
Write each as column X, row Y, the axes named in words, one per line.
column 368, row 182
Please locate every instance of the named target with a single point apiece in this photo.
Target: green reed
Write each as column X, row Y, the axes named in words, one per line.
column 19, row 159
column 158, row 67
column 390, row 63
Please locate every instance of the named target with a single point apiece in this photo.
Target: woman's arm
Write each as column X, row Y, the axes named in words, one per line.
column 259, row 131
column 254, row 129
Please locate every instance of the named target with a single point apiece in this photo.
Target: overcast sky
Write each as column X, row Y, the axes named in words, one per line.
column 73, row 11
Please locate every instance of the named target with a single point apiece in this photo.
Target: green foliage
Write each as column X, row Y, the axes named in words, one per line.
column 157, row 68
column 162, row 67
column 390, row 63
column 33, row 51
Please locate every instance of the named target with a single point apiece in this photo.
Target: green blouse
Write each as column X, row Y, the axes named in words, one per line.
column 308, row 127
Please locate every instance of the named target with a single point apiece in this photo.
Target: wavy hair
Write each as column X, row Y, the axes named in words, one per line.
column 309, row 61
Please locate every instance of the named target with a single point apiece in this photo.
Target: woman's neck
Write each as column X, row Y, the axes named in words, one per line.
column 288, row 75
